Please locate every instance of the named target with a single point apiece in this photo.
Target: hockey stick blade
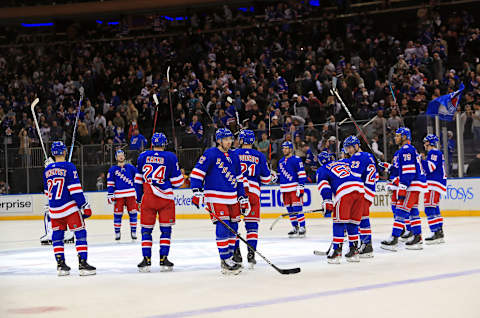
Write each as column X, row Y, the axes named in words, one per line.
column 287, row 271
column 319, row 253
column 168, row 74
column 35, row 102
column 155, row 99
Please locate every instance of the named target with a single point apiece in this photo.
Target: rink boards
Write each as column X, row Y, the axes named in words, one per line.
column 462, row 199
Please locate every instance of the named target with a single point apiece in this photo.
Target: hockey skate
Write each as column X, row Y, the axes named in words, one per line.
column 334, row 255
column 85, row 269
column 46, row 240
column 366, row 250
column 293, row 233
column 406, row 236
column 251, row 259
column 415, row 243
column 165, row 264
column 229, row 267
column 436, row 238
column 237, row 256
column 302, row 232
column 144, row 266
column 62, row 268
column 391, row 244
column 352, row 255
column 133, row 235
column 118, row 236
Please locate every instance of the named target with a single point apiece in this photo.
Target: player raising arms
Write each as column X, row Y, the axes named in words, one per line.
column 157, row 172
column 255, row 171
column 342, row 194
column 434, row 166
column 121, row 192
column 411, row 182
column 68, row 209
column 218, row 176
column 292, row 177
column 363, row 166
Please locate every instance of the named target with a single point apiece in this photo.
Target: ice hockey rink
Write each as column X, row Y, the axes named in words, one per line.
column 438, row 281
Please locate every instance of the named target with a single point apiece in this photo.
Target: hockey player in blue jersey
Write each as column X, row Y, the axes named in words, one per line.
column 121, row 192
column 157, row 173
column 217, row 177
column 411, row 182
column 292, row 177
column 342, row 194
column 68, row 209
column 434, row 166
column 363, row 166
column 255, row 172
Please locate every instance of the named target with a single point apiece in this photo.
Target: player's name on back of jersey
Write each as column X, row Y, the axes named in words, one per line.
column 56, row 172
column 250, row 158
column 153, row 159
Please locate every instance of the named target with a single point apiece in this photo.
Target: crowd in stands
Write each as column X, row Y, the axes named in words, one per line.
column 274, row 80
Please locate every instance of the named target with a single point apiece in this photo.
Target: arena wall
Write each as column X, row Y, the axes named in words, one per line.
column 462, row 199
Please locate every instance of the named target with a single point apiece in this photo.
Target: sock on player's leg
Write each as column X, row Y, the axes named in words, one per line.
column 415, row 221
column 338, row 233
column 352, row 230
column 57, row 242
column 431, row 217
column 165, row 236
column 439, row 218
column 365, row 230
column 223, row 240
column 252, row 233
column 147, row 241
column 133, row 221
column 81, row 243
column 300, row 216
column 117, row 221
column 233, row 239
column 293, row 217
column 399, row 222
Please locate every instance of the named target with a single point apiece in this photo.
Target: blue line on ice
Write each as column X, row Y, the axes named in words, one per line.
column 281, row 300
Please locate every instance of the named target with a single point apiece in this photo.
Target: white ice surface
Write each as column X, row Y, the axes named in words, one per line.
column 439, row 281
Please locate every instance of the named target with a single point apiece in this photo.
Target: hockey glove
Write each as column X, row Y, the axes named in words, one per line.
column 327, row 207
column 401, row 192
column 274, row 177
column 300, row 190
column 48, row 161
column 384, row 165
column 110, row 199
column 197, row 198
column 86, row 211
column 244, row 206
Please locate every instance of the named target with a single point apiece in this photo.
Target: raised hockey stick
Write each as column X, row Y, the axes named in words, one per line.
column 171, row 109
column 280, row 270
column 81, row 90
column 155, row 99
column 360, row 131
column 32, row 108
column 390, row 76
column 288, row 214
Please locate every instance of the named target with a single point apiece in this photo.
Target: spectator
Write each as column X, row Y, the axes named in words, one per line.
column 394, row 121
column 473, row 169
column 196, row 128
column 263, row 145
column 476, row 126
column 101, row 182
column 138, row 141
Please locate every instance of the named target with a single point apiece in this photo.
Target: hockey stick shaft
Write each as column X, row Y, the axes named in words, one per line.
column 171, row 110
column 76, row 125
column 155, row 99
column 32, row 108
column 281, row 271
column 360, row 131
column 293, row 213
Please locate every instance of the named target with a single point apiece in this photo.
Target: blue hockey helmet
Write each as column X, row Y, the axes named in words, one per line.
column 118, row 152
column 58, row 148
column 223, row 133
column 287, row 144
column 431, row 139
column 325, row 157
column 404, row 131
column 351, row 141
column 159, row 140
column 247, row 137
